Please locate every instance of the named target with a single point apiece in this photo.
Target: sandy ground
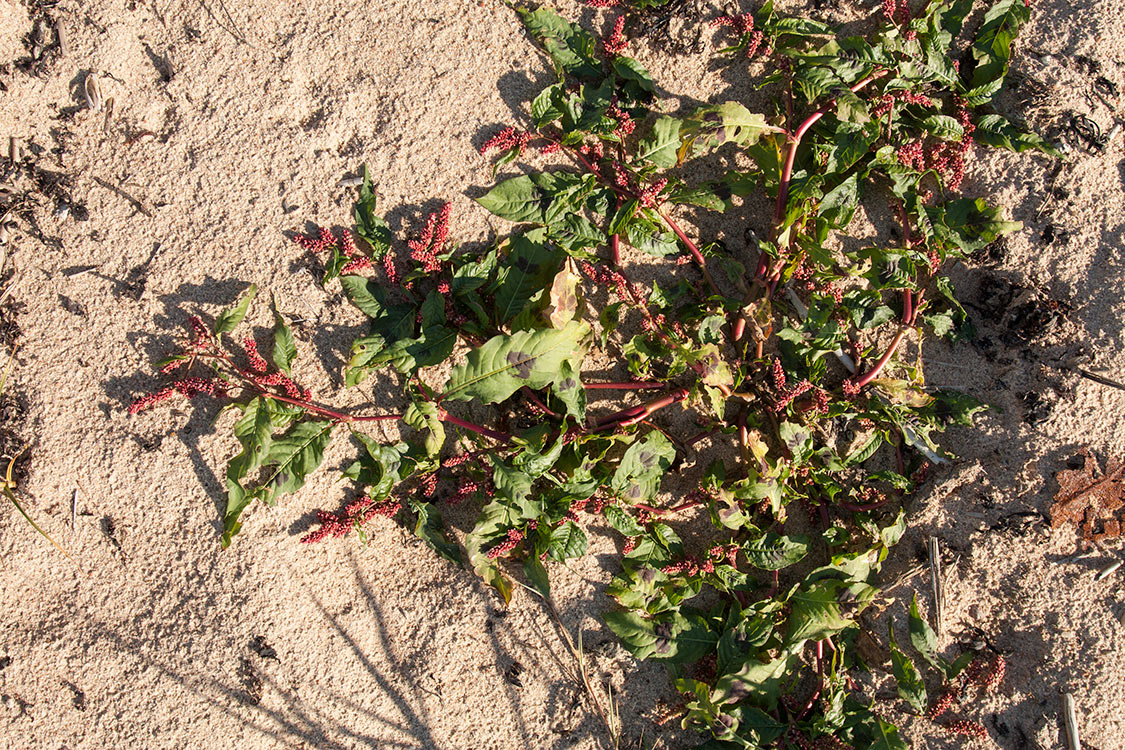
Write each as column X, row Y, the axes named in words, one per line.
column 254, row 116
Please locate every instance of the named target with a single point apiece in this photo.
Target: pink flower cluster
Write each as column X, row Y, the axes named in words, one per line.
column 886, row 101
column 898, row 12
column 947, row 158
column 353, row 516
column 625, row 123
column 689, row 567
column 506, row 140
column 257, row 361
column 357, row 264
column 515, row 536
column 743, row 25
column 615, row 43
column 188, row 387
column 629, row 292
column 429, row 245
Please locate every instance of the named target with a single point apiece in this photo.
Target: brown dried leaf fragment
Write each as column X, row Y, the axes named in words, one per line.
column 1090, row 498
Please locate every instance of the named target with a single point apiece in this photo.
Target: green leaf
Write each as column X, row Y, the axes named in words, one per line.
column 369, row 225
column 366, row 294
column 504, row 364
column 531, row 265
column 710, row 127
column 642, row 468
column 567, row 387
column 838, row 205
column 673, row 637
column 632, row 72
column 911, row 688
column 773, row 551
column 429, row 527
column 622, row 521
column 924, row 639
column 290, row 458
column 511, row 483
column 536, row 574
column 754, row 681
column 231, row 317
column 424, row 417
column 997, row 131
column 566, row 542
column 815, row 612
column 516, row 199
column 944, row 127
column 992, row 48
column 661, row 147
column 284, row 347
column 972, row 224
column 571, row 48
column 650, row 236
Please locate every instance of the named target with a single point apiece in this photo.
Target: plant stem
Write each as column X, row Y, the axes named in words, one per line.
column 669, row 511
column 625, row 386
column 791, row 156
column 445, row 416
column 695, row 254
column 878, row 367
column 634, row 414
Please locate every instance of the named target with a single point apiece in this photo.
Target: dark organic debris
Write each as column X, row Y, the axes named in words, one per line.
column 259, row 646
column 79, row 696
column 251, row 682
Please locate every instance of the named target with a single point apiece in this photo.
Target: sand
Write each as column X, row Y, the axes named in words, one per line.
column 233, row 125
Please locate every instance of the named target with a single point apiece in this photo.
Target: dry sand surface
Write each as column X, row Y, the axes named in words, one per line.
column 232, row 125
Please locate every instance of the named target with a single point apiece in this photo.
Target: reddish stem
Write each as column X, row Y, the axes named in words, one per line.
column 634, row 414
column 695, row 254
column 669, row 511
column 445, row 416
column 639, row 385
column 530, row 394
column 791, row 156
column 874, row 372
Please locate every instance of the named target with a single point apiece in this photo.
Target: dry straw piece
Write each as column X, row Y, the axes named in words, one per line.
column 1072, row 741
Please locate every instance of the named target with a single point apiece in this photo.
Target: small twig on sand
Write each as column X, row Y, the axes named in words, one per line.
column 74, row 509
column 935, row 580
column 1071, row 719
column 1100, row 379
column 113, row 188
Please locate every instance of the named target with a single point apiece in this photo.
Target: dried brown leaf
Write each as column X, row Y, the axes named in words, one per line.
column 1091, row 499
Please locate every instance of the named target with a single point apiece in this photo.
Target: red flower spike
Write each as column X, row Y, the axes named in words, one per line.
column 966, row 728
column 615, row 43
column 257, row 362
column 144, row 402
column 506, row 140
column 426, row 248
column 360, row 266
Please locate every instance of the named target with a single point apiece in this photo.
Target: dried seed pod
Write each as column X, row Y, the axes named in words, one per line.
column 93, row 91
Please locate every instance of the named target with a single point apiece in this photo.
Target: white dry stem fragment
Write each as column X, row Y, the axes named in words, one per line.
column 935, row 580
column 1108, row 570
column 15, row 153
column 349, row 182
column 60, row 35
column 93, row 90
column 1071, row 719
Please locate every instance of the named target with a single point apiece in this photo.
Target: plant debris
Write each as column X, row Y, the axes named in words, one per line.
column 1091, row 499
